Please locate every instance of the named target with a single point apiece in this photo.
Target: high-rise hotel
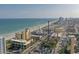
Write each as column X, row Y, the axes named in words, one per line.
column 26, row 35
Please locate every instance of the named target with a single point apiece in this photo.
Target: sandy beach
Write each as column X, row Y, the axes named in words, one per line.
column 11, row 35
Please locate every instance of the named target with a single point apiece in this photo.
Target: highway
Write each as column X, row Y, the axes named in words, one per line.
column 58, row 46
column 31, row 48
column 56, row 49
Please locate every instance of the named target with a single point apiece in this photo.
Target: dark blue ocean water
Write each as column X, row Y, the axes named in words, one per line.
column 11, row 25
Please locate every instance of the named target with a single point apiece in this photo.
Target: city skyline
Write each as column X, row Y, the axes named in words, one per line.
column 38, row 10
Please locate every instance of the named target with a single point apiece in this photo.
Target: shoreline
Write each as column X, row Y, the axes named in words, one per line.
column 36, row 27
column 12, row 34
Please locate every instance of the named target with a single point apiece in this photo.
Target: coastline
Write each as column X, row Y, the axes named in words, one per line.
column 33, row 28
column 12, row 34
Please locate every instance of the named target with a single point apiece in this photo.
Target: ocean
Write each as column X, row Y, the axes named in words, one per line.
column 11, row 25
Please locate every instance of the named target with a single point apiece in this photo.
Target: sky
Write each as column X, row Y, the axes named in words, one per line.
column 38, row 10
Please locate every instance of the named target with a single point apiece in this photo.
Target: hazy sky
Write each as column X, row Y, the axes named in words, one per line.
column 38, row 11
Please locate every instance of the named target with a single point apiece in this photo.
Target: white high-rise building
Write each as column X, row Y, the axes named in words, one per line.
column 2, row 45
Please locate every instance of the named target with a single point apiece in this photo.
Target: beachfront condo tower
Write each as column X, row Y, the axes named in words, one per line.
column 2, row 45
column 19, row 35
column 73, row 44
column 26, row 34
